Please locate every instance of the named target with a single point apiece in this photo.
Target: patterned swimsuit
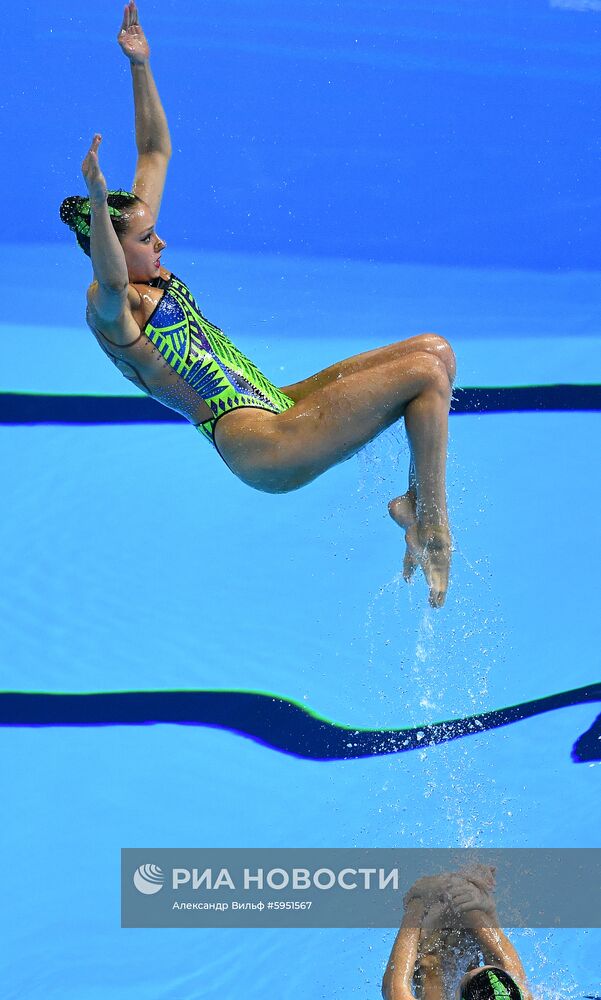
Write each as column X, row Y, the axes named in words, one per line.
column 203, row 357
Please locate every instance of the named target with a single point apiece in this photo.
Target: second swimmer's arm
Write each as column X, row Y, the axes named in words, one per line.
column 496, row 947
column 396, row 984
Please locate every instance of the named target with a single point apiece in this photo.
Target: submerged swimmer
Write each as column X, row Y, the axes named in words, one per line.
column 274, row 439
column 450, row 945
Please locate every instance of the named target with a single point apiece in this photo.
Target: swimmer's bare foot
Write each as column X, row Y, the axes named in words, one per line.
column 435, row 560
column 427, row 546
column 403, row 510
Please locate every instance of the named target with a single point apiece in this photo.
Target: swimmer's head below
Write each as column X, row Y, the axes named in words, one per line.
column 488, row 983
column 133, row 223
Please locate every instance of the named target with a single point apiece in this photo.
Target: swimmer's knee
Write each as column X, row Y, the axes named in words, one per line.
column 433, row 371
column 440, row 348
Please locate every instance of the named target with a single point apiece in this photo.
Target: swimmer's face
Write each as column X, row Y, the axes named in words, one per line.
column 141, row 244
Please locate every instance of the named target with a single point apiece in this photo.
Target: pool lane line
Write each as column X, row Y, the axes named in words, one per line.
column 280, row 723
column 21, row 408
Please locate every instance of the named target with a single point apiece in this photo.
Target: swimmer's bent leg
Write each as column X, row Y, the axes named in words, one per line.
column 333, row 422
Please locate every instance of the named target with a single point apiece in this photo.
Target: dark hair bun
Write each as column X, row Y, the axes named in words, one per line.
column 75, row 212
column 70, row 211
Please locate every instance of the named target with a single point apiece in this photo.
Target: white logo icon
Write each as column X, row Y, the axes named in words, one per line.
column 148, row 879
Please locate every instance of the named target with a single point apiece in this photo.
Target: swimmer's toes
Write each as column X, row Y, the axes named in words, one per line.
column 437, row 587
column 436, row 564
column 437, row 598
column 410, row 565
column 428, row 546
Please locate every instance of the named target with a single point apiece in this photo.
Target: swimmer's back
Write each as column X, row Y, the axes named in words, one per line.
column 166, row 347
column 123, row 339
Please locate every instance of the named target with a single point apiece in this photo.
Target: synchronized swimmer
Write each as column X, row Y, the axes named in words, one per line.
column 274, row 439
column 450, row 945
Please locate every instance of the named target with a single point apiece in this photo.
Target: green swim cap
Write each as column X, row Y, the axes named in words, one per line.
column 75, row 211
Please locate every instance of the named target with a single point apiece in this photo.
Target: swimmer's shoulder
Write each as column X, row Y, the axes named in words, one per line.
column 136, row 309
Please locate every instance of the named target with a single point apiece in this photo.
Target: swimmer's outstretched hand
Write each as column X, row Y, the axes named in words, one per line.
column 428, row 547
column 131, row 37
column 92, row 173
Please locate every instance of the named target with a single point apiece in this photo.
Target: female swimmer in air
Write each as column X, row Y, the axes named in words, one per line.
column 275, row 439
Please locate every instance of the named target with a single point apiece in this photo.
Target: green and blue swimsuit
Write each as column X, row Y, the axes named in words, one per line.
column 204, row 358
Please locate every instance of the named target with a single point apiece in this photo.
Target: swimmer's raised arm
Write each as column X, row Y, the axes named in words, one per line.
column 109, row 296
column 108, row 259
column 478, row 915
column 497, row 950
column 396, row 984
column 153, row 140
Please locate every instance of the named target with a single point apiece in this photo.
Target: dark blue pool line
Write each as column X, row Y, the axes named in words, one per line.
column 31, row 408
column 278, row 723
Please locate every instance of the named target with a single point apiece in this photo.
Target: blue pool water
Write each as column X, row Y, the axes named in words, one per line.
column 343, row 176
column 118, row 545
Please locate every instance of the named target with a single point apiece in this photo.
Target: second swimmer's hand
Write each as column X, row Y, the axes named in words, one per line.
column 131, row 37
column 435, row 914
column 92, row 173
column 428, row 888
column 467, row 898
